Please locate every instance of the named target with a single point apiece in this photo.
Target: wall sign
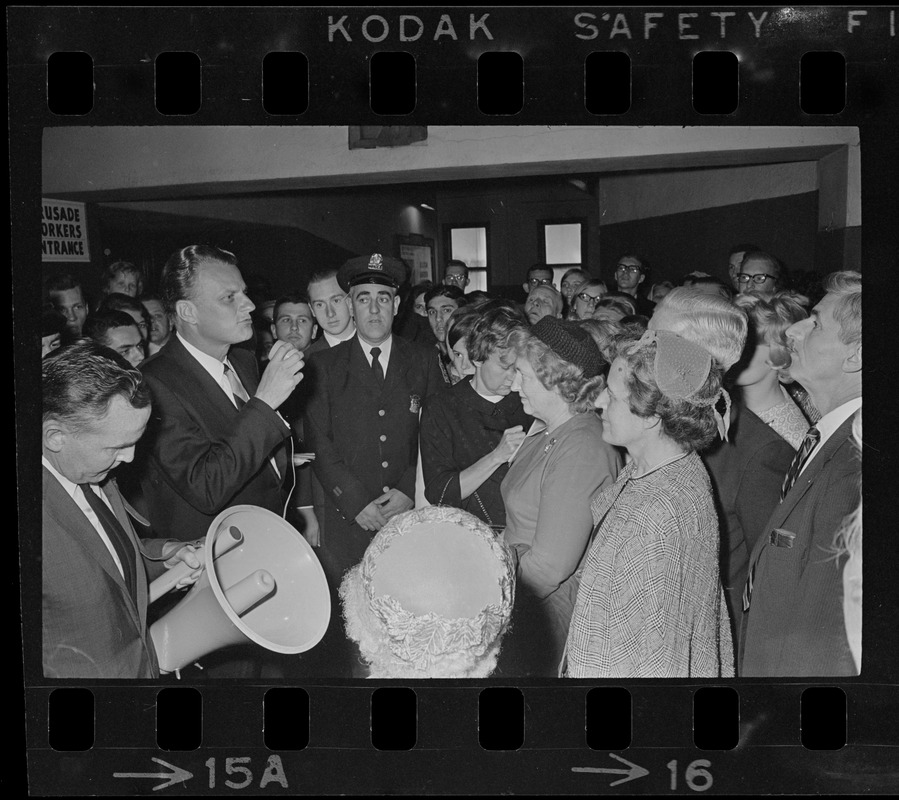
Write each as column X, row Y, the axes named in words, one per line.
column 63, row 231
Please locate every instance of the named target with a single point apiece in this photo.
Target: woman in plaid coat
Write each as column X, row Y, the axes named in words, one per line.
column 650, row 602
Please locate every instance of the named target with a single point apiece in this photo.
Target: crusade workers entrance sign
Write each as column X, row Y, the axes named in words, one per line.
column 63, row 231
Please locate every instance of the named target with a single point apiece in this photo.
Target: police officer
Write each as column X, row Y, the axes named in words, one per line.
column 361, row 422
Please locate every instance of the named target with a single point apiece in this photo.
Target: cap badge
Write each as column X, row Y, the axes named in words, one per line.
column 376, row 262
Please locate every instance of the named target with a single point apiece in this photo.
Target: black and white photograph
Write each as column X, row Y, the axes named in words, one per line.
column 523, row 445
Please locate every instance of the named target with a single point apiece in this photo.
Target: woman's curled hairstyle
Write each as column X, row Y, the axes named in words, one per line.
column 555, row 372
column 688, row 421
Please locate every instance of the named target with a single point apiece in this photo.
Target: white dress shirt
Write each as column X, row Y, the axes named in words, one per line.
column 829, row 423
column 386, row 346
column 349, row 333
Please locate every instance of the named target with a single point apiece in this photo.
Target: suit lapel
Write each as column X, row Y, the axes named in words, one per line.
column 811, row 473
column 210, row 394
column 72, row 520
column 399, row 363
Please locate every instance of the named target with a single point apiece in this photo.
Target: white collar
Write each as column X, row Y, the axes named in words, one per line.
column 212, row 365
column 63, row 480
column 349, row 333
column 832, row 420
column 386, row 346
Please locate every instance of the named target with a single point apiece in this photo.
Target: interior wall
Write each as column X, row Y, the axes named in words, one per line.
column 677, row 244
column 514, row 214
column 655, row 194
column 359, row 221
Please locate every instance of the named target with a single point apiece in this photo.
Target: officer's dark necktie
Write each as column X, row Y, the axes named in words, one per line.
column 376, row 367
column 808, row 444
column 116, row 533
column 237, row 390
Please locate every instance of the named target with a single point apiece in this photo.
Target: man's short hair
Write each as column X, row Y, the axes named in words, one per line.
column 290, row 297
column 645, row 268
column 767, row 258
column 456, row 262
column 452, row 292
column 116, row 301
column 100, row 324
column 847, row 286
column 538, row 268
column 322, row 275
column 63, row 282
column 179, row 275
column 79, row 382
column 707, row 320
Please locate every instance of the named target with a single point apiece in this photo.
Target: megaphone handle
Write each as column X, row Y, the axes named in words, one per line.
column 168, row 580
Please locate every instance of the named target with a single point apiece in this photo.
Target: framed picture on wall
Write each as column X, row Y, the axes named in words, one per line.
column 418, row 253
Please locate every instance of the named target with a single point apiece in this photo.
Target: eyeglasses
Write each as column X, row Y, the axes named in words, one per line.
column 759, row 279
column 539, row 281
column 632, row 268
column 454, row 279
column 588, row 298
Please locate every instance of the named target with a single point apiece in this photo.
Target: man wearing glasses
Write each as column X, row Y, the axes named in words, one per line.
column 456, row 274
column 630, row 272
column 760, row 274
column 538, row 275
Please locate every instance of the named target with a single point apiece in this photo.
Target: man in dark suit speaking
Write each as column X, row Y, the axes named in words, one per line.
column 95, row 571
column 215, row 439
column 362, row 420
column 793, row 600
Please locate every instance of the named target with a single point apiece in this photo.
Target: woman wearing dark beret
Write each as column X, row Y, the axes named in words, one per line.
column 562, row 463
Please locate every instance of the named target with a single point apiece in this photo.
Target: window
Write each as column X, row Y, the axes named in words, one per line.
column 469, row 244
column 563, row 246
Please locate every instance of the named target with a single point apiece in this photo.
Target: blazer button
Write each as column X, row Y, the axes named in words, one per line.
column 384, row 464
column 383, row 437
column 381, row 413
column 386, row 489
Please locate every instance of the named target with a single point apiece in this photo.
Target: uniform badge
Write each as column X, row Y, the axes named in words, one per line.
column 414, row 403
column 376, row 262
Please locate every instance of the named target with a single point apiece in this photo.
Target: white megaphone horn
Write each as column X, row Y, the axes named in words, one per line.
column 262, row 583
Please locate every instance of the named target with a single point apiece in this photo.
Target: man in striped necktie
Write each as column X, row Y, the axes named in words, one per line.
column 793, row 625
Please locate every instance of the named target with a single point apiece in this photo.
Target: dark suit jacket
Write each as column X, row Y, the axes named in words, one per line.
column 365, row 438
column 92, row 628
column 200, row 455
column 795, row 623
column 747, row 472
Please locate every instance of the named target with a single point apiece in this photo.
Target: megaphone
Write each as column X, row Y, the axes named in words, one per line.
column 263, row 583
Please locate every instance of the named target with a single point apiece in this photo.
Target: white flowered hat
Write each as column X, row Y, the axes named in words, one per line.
column 432, row 596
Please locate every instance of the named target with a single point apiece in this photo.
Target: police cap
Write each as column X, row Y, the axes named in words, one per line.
column 375, row 268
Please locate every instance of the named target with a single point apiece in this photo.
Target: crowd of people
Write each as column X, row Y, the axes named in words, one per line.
column 668, row 471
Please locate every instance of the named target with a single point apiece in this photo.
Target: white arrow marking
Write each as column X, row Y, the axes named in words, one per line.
column 632, row 772
column 177, row 775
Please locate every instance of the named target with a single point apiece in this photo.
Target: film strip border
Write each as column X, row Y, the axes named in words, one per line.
column 563, row 739
column 514, row 65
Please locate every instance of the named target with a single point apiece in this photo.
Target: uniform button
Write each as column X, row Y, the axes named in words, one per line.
column 384, row 464
column 386, row 489
column 383, row 437
column 381, row 413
